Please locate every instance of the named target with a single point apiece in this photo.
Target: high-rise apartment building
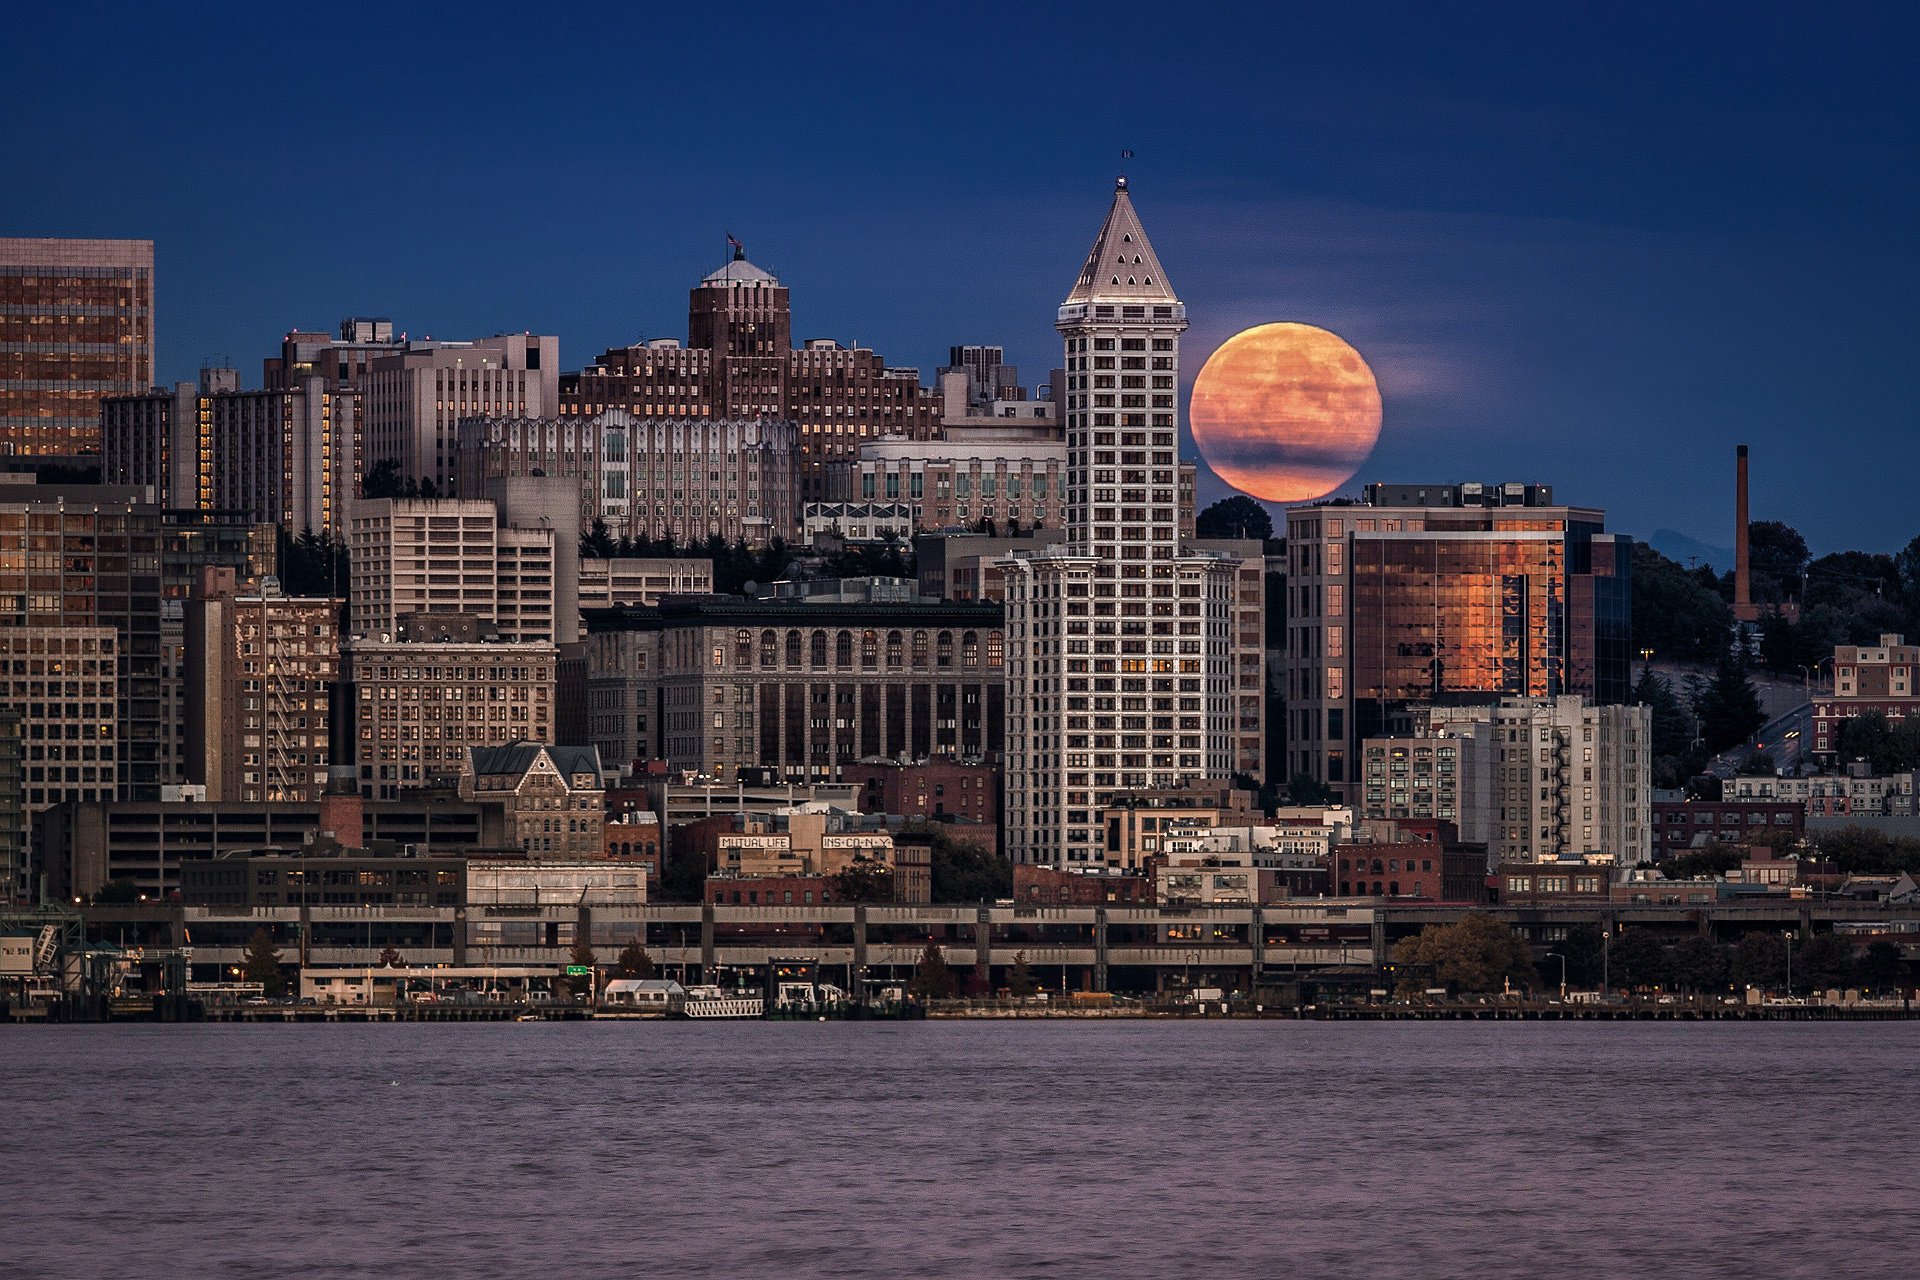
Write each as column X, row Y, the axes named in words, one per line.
column 1565, row 779
column 82, row 556
column 287, row 457
column 1444, row 594
column 260, row 669
column 1119, row 664
column 341, row 360
column 414, row 398
column 76, row 324
column 984, row 380
column 740, row 363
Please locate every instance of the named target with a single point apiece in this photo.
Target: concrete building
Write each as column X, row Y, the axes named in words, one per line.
column 1568, row 779
column 968, row 566
column 553, row 797
column 740, row 363
column 1445, row 778
column 1879, row 677
column 59, row 689
column 694, row 478
column 288, row 456
column 1444, row 593
column 341, row 359
column 977, row 379
column 641, row 580
column 82, row 846
column 1120, row 668
column 418, row 707
column 260, row 668
column 458, row 556
column 416, row 396
column 74, row 558
column 795, row 690
column 832, row 523
column 76, row 325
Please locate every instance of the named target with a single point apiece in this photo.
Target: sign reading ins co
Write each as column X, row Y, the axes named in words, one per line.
column 16, row 955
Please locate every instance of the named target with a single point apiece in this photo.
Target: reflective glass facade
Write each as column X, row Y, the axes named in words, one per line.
column 76, row 324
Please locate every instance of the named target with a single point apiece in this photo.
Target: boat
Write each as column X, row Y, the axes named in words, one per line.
column 529, row 1017
column 712, row 1002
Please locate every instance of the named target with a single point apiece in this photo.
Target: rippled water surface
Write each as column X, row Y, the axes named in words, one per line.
column 1060, row 1149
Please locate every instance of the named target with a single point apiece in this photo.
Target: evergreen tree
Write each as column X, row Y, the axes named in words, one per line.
column 390, row 958
column 263, row 963
column 1020, row 980
column 634, row 962
column 1729, row 708
column 932, row 979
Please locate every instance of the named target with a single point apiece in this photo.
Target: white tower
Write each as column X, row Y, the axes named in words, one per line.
column 1119, row 670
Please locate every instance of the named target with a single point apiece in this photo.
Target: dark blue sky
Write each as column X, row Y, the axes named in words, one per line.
column 1595, row 250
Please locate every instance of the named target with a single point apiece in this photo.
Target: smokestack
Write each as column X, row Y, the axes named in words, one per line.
column 1742, row 587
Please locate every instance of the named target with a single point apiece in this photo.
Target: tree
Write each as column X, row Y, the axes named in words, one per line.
column 864, row 880
column 1585, row 949
column 1235, row 517
column 1674, row 727
column 1758, row 764
column 580, row 984
column 117, row 893
column 1858, row 851
column 263, row 963
column 1478, row 953
column 634, row 962
column 962, row 871
column 390, row 958
column 1638, row 960
column 1883, row 968
column 1697, row 964
column 1776, row 557
column 1759, row 960
column 1822, row 962
column 1887, row 746
column 382, row 480
column 1305, row 789
column 1709, row 862
column 932, row 979
column 1678, row 612
column 596, row 543
column 1022, row 983
column 1729, row 709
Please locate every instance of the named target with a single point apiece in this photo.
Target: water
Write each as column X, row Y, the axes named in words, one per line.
column 1061, row 1149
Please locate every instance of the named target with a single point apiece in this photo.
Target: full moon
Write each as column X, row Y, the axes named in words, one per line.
column 1285, row 412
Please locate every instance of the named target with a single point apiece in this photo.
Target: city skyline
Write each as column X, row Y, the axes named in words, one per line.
column 1552, row 278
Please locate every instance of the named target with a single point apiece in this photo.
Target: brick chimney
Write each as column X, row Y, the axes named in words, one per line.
column 340, row 813
column 1743, row 608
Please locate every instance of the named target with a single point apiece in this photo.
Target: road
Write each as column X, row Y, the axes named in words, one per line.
column 1786, row 738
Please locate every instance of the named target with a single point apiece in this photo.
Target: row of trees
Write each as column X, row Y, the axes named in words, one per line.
column 1698, row 720
column 1480, row 954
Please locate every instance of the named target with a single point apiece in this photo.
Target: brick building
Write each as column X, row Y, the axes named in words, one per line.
column 1688, row 824
column 928, row 789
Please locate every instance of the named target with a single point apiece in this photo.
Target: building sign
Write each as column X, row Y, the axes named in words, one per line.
column 16, row 956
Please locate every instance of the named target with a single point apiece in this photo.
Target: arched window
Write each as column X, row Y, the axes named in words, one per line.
column 743, row 648
column 943, row 649
column 843, row 649
column 920, row 651
column 793, row 648
column 970, row 649
column 869, row 650
column 817, row 651
column 894, row 640
column 769, row 648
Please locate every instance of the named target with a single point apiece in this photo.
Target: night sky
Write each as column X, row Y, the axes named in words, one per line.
column 1595, row 251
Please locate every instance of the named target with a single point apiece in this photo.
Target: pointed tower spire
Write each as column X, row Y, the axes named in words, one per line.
column 1121, row 266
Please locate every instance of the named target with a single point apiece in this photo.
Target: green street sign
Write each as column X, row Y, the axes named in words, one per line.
column 579, row 971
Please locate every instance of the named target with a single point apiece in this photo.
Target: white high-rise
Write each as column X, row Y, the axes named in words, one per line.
column 1119, row 665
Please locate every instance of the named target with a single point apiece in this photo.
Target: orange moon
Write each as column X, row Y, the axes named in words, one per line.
column 1285, row 412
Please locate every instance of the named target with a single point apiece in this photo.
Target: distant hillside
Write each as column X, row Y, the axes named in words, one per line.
column 1684, row 550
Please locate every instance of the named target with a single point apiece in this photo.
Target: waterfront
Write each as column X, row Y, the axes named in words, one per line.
column 981, row 1149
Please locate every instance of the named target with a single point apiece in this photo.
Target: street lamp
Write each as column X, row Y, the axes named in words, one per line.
column 1555, row 955
column 1789, row 937
column 1646, row 662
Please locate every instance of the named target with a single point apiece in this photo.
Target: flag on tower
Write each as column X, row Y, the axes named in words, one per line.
column 734, row 244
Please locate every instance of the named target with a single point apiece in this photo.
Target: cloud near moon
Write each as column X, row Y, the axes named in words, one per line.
column 1285, row 412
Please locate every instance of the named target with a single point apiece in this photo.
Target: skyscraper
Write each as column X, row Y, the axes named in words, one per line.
column 1119, row 667
column 76, row 324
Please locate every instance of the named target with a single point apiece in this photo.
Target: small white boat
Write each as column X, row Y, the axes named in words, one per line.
column 529, row 1017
